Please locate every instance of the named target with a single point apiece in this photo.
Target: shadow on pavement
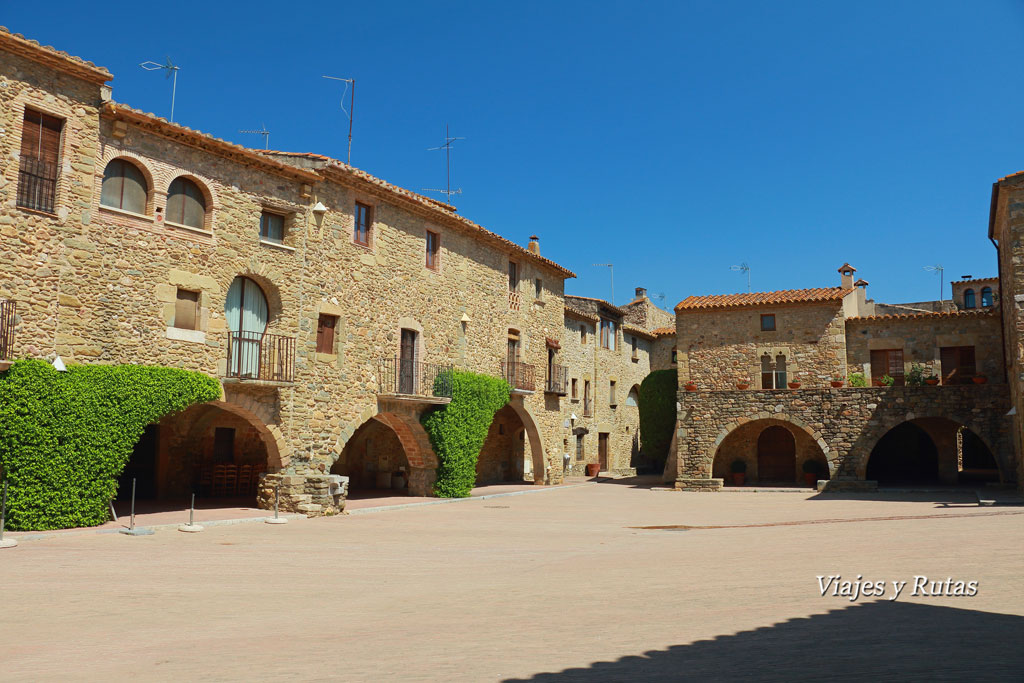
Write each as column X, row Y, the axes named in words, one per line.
column 879, row 640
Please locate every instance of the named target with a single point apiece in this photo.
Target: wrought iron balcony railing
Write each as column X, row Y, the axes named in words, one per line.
column 406, row 377
column 7, row 311
column 37, row 184
column 558, row 380
column 519, row 375
column 261, row 356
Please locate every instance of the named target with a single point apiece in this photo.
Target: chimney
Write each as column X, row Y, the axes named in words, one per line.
column 534, row 246
column 641, row 292
column 846, row 272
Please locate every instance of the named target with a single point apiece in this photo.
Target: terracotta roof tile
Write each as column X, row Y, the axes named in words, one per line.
column 582, row 315
column 51, row 56
column 978, row 313
column 639, row 331
column 612, row 306
column 663, row 331
column 785, row 296
column 976, row 279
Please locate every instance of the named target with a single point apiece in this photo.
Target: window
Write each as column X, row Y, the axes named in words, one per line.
column 586, row 398
column 325, row 333
column 607, row 334
column 575, row 395
column 186, row 310
column 969, row 298
column 611, row 393
column 39, row 164
column 579, row 446
column 887, row 362
column 633, row 397
column 272, row 227
column 513, row 276
column 632, row 343
column 583, row 334
column 363, row 224
column 958, row 365
column 773, row 374
column 768, row 322
column 675, row 355
column 124, row 187
column 433, row 245
column 986, row 297
column 186, row 204
column 538, row 289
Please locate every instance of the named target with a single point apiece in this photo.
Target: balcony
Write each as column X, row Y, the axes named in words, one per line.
column 515, row 300
column 408, row 378
column 519, row 375
column 260, row 356
column 558, row 380
column 7, row 311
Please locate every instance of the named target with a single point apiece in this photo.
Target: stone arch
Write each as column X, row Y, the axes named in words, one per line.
column 810, row 444
column 633, row 396
column 264, row 277
column 540, row 470
column 411, row 437
column 279, row 453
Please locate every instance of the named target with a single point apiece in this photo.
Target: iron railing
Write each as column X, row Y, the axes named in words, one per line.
column 558, row 380
column 412, row 378
column 588, row 407
column 519, row 375
column 37, row 184
column 7, row 311
column 257, row 355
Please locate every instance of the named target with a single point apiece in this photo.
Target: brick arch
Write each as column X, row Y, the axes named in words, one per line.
column 791, row 420
column 279, row 453
column 413, row 438
column 112, row 154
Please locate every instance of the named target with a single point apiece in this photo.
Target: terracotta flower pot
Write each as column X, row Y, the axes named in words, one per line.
column 980, row 379
column 836, row 383
column 593, row 469
column 812, row 479
column 931, row 382
column 794, row 385
column 738, row 478
column 691, row 387
column 742, row 386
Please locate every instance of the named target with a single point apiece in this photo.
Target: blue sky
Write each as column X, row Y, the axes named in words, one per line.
column 671, row 139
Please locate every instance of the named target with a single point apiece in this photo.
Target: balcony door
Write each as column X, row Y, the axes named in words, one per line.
column 512, row 358
column 407, row 363
column 246, row 312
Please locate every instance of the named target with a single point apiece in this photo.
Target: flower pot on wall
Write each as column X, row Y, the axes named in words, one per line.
column 836, row 383
column 742, row 386
column 794, row 385
column 980, row 379
column 931, row 382
column 690, row 386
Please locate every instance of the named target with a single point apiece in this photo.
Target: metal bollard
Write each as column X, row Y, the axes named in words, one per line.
column 277, row 499
column 10, row 542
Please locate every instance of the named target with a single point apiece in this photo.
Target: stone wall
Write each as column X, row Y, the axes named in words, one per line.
column 845, row 424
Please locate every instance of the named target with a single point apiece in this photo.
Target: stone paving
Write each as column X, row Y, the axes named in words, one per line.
column 547, row 584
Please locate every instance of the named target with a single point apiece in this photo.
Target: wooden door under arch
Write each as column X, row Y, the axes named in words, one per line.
column 776, row 455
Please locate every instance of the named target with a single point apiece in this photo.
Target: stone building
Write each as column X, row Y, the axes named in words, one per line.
column 767, row 383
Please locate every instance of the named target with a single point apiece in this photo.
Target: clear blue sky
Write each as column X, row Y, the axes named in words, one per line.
column 673, row 139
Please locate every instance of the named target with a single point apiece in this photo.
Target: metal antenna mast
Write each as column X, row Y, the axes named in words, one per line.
column 172, row 70
column 937, row 268
column 744, row 268
column 611, row 271
column 447, row 147
column 262, row 131
column 351, row 109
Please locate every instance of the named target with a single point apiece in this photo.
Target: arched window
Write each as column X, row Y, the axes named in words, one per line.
column 186, row 204
column 675, row 356
column 124, row 187
column 968, row 298
column 780, row 372
column 767, row 378
column 246, row 311
column 986, row 296
column 633, row 397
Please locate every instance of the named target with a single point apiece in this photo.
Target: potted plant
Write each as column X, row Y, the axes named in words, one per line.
column 980, row 379
column 915, row 378
column 857, row 379
column 931, row 380
column 690, row 385
column 743, row 384
column 836, row 381
column 812, row 469
column 793, row 384
column 885, row 381
column 739, row 471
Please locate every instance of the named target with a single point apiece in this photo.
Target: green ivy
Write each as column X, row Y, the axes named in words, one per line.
column 458, row 430
column 658, row 415
column 65, row 437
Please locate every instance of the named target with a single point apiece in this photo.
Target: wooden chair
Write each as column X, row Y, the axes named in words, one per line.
column 205, row 480
column 243, row 485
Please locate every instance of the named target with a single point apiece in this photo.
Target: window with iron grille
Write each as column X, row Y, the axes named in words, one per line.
column 272, row 227
column 124, row 187
column 186, row 310
column 39, row 162
column 433, row 249
column 363, row 224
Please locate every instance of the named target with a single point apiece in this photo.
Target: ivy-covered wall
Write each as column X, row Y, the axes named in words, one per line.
column 65, row 437
column 458, row 430
column 657, row 415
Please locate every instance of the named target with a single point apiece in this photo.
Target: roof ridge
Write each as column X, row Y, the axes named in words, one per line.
column 82, row 67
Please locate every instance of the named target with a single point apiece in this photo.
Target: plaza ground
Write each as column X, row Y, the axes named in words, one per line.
column 550, row 584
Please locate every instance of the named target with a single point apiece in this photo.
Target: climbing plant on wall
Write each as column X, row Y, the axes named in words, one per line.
column 458, row 430
column 65, row 437
column 658, row 414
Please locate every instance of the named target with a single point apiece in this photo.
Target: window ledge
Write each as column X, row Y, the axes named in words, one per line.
column 179, row 334
column 38, row 212
column 326, row 357
column 124, row 212
column 540, row 302
column 208, row 233
column 276, row 245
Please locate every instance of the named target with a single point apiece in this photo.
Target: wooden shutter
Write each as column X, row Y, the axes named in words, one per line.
column 967, row 366
column 40, row 137
column 896, row 367
column 186, row 310
column 325, row 334
column 39, row 164
column 949, row 357
column 879, row 364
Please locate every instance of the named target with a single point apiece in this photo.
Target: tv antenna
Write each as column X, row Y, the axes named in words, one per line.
column 172, row 71
column 262, row 131
column 937, row 269
column 743, row 268
column 660, row 298
column 351, row 108
column 611, row 271
column 447, row 147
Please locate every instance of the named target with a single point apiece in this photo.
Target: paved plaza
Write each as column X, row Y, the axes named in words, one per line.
column 576, row 583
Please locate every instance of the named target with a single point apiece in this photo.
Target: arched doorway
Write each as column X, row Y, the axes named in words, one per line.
column 905, row 455
column 931, row 450
column 776, row 455
column 375, row 462
column 513, row 450
column 977, row 464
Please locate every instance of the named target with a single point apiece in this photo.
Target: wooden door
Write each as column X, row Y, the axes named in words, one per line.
column 776, row 456
column 407, row 363
column 602, row 450
column 887, row 362
column 958, row 364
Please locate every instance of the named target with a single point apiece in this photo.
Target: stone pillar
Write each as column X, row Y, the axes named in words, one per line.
column 421, row 481
column 693, row 471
